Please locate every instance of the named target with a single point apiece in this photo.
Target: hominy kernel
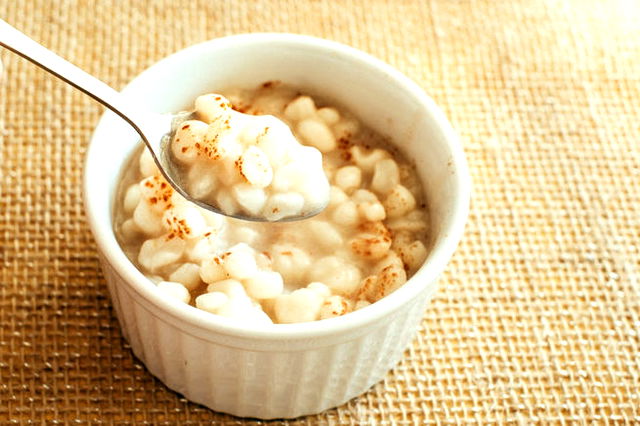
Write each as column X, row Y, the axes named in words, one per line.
column 160, row 252
column 287, row 204
column 326, row 234
column 413, row 255
column 302, row 305
column 232, row 288
column 370, row 246
column 346, row 214
column 239, row 262
column 131, row 198
column 148, row 166
column 292, row 263
column 244, row 234
column 399, row 202
column 210, row 106
column 300, row 108
column 345, row 128
column 366, row 158
column 149, row 222
column 264, row 285
column 413, row 221
column 361, row 304
column 211, row 302
column 186, row 136
column 130, row 230
column 270, row 104
column 386, row 176
column 175, row 291
column 205, row 247
column 372, row 211
column 348, row 178
column 341, row 277
column 252, row 199
column 226, row 202
column 334, row 306
column 212, row 271
column 184, row 221
column 330, row 116
column 200, row 181
column 255, row 168
column 315, row 133
column 336, row 196
column 320, row 288
column 187, row 274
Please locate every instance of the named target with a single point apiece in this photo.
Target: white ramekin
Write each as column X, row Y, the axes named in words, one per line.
column 287, row 370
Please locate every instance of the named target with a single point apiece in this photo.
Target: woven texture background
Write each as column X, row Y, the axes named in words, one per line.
column 538, row 316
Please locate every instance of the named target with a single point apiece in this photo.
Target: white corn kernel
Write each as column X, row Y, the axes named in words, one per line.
column 240, row 262
column 254, row 166
column 325, row 234
column 160, row 252
column 334, row 306
column 187, row 274
column 264, row 285
column 184, row 221
column 386, row 176
column 211, row 302
column 148, row 166
column 330, row 116
column 226, row 203
column 183, row 143
column 300, row 108
column 372, row 212
column 366, row 158
column 130, row 230
column 211, row 106
column 413, row 255
column 341, row 277
column 346, row 128
column 291, row 262
column 320, row 288
column 131, row 198
column 315, row 133
column 175, row 291
column 279, row 206
column 200, row 181
column 250, row 198
column 348, row 178
column 346, row 214
column 370, row 247
column 149, row 222
column 212, row 271
column 336, row 196
column 302, row 305
column 232, row 288
column 399, row 202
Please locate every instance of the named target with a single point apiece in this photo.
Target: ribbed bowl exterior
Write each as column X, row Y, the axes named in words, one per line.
column 275, row 379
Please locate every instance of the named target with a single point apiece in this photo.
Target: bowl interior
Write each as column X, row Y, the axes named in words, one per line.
column 377, row 94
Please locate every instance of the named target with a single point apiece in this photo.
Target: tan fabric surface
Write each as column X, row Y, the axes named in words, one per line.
column 538, row 316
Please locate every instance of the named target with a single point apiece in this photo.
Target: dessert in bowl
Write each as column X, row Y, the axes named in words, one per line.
column 280, row 370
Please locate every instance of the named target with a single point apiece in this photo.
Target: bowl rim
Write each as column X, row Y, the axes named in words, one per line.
column 425, row 276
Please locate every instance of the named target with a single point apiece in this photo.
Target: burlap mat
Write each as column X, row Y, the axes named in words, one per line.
column 538, row 316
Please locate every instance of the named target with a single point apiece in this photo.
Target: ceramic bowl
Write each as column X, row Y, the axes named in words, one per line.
column 287, row 370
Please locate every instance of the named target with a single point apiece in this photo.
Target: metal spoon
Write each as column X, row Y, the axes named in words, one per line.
column 156, row 130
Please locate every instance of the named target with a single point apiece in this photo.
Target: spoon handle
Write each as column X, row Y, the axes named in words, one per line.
column 19, row 43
